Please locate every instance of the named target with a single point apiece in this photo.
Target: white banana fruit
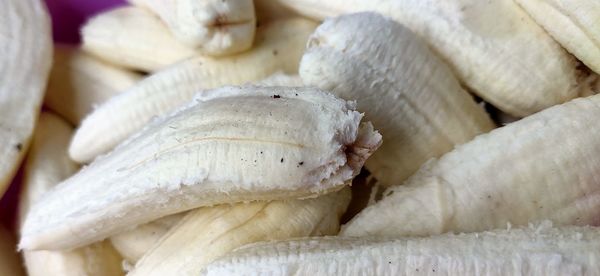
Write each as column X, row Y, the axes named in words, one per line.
column 78, row 82
column 47, row 164
column 134, row 243
column 10, row 264
column 278, row 47
column 211, row 232
column 408, row 93
column 537, row 250
column 494, row 47
column 214, row 27
column 572, row 23
column 544, row 166
column 281, row 79
column 231, row 145
column 133, row 38
column 26, row 54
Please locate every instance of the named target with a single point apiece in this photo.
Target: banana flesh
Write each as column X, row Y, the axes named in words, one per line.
column 79, row 82
column 210, row 232
column 494, row 47
column 47, row 164
column 408, row 93
column 278, row 47
column 26, row 47
column 213, row 27
column 537, row 250
column 544, row 166
column 572, row 23
column 232, row 144
column 133, row 38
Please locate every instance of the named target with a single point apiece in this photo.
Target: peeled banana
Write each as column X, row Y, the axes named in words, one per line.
column 210, row 232
column 537, row 250
column 10, row 264
column 572, row 23
column 26, row 54
column 134, row 38
column 47, row 164
column 79, row 82
column 278, row 47
column 214, row 27
column 408, row 93
column 230, row 145
column 494, row 47
column 544, row 166
column 134, row 243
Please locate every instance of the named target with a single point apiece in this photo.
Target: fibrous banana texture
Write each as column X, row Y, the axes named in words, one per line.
column 544, row 166
column 134, row 243
column 572, row 23
column 79, row 82
column 278, row 47
column 214, row 27
column 408, row 93
column 25, row 57
column 232, row 144
column 211, row 232
column 494, row 47
column 537, row 250
column 47, row 164
column 134, row 38
column 10, row 264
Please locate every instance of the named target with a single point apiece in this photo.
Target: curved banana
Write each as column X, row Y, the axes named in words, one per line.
column 26, row 54
column 209, row 233
column 408, row 93
column 47, row 164
column 280, row 79
column 133, row 38
column 214, row 27
column 134, row 243
column 537, row 250
column 232, row 144
column 10, row 264
column 494, row 47
column 79, row 82
column 572, row 23
column 278, row 47
column 544, row 166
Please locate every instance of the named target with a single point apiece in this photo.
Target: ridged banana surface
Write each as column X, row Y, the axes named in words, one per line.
column 214, row 27
column 10, row 264
column 544, row 166
column 278, row 47
column 25, row 57
column 134, row 38
column 232, row 144
column 574, row 24
column 134, row 243
column 538, row 250
column 78, row 82
column 408, row 93
column 494, row 47
column 47, row 164
column 211, row 232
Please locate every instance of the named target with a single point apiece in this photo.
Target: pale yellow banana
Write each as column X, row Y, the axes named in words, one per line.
column 278, row 47
column 537, row 250
column 10, row 263
column 232, row 144
column 25, row 57
column 544, row 166
column 214, row 27
column 408, row 93
column 494, row 47
column 78, row 82
column 211, row 232
column 47, row 164
column 574, row 24
column 281, row 79
column 134, row 243
column 134, row 38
